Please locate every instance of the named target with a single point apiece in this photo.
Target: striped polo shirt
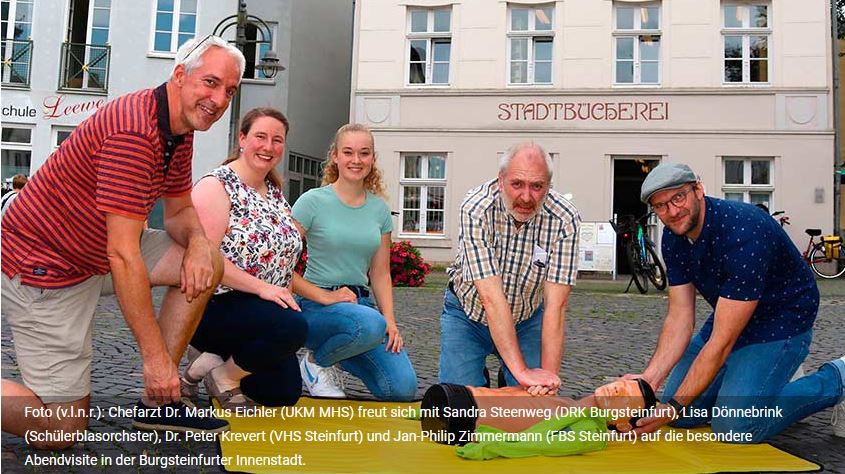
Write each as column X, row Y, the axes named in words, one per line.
column 542, row 249
column 120, row 160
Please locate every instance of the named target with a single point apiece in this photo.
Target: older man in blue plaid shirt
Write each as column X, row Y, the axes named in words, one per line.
column 509, row 286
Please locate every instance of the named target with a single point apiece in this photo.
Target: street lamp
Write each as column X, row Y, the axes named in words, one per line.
column 269, row 64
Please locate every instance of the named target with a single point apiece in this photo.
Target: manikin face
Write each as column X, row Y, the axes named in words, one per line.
column 264, row 144
column 354, row 156
column 525, row 184
column 682, row 210
column 205, row 92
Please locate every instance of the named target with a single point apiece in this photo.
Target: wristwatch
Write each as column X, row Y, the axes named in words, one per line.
column 679, row 409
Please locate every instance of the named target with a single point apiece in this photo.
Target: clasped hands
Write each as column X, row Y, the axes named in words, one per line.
column 539, row 382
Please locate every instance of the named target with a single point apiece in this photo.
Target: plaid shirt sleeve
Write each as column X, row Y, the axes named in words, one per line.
column 563, row 259
column 476, row 242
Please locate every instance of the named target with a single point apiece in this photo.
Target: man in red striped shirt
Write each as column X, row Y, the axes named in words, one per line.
column 78, row 231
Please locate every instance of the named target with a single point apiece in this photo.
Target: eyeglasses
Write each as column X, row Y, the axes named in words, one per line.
column 677, row 200
column 196, row 46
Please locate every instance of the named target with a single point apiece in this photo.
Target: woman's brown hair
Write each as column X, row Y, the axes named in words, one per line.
column 246, row 125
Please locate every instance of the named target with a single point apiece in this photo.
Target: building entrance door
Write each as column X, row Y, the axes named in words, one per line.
column 629, row 172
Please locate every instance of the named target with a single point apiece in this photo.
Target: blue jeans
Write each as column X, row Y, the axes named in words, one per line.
column 465, row 344
column 757, row 375
column 355, row 336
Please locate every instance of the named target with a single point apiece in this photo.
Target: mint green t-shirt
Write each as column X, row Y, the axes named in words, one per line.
column 341, row 239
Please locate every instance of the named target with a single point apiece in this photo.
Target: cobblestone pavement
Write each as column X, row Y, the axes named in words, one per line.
column 601, row 322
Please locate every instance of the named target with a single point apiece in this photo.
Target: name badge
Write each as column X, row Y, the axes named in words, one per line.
column 539, row 257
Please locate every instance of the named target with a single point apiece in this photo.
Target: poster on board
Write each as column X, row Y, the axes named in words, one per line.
column 597, row 247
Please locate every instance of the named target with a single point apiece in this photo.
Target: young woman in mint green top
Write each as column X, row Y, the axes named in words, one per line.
column 347, row 228
column 342, row 239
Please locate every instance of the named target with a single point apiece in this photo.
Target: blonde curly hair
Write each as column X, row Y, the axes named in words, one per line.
column 373, row 182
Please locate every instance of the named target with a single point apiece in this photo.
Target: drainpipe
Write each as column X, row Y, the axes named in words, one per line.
column 837, row 139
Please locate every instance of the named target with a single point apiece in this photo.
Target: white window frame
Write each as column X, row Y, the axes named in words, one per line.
column 12, row 20
column 54, row 134
column 174, row 28
column 20, row 146
column 747, row 188
column 430, row 37
column 532, row 35
column 92, row 9
column 274, row 30
column 89, row 38
column 637, row 33
column 746, row 31
column 424, row 184
column 7, row 45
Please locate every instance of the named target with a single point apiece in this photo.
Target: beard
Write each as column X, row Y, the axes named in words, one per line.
column 522, row 215
column 694, row 218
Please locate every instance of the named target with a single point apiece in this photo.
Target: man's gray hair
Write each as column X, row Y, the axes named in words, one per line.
column 505, row 161
column 190, row 53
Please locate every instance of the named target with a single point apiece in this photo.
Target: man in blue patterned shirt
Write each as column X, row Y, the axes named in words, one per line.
column 735, row 373
column 509, row 286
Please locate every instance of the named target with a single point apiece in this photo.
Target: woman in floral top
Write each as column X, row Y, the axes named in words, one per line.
column 245, row 346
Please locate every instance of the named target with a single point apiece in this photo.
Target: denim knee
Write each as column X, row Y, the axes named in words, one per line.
column 371, row 328
column 289, row 332
column 280, row 337
column 403, row 388
column 362, row 329
column 400, row 387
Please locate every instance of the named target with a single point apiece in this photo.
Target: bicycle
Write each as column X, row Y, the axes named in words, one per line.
column 779, row 216
column 782, row 218
column 640, row 252
column 825, row 257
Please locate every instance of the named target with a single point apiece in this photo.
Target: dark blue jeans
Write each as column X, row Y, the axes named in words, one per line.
column 465, row 344
column 262, row 338
column 757, row 375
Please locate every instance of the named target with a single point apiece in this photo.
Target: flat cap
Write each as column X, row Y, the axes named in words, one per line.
column 666, row 176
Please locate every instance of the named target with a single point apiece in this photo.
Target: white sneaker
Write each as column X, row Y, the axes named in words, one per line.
column 838, row 420
column 320, row 381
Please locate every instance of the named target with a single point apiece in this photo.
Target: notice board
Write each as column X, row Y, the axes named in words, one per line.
column 597, row 247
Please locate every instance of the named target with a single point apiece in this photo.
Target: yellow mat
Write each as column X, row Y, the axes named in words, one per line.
column 345, row 436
